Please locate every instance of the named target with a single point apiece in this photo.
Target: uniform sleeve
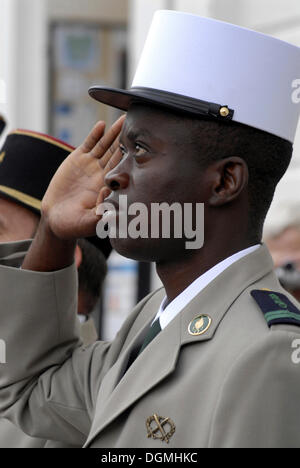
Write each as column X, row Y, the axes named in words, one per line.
column 45, row 373
column 258, row 404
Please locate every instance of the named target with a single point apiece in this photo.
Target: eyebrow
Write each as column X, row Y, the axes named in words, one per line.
column 133, row 134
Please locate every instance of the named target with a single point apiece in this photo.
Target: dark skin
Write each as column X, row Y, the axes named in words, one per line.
column 155, row 164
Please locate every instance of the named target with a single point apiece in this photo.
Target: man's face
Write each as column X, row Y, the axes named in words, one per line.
column 285, row 249
column 16, row 222
column 157, row 167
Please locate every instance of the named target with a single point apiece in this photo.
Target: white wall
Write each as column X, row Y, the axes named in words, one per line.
column 8, row 61
column 23, row 62
column 258, row 14
column 202, row 7
column 31, row 53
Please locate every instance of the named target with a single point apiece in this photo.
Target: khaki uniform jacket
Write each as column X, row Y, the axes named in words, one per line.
column 12, row 437
column 234, row 386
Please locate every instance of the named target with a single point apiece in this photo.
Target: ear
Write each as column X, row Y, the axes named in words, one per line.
column 229, row 178
column 78, row 256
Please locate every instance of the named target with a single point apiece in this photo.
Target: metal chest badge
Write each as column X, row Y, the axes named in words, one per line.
column 199, row 325
column 160, row 428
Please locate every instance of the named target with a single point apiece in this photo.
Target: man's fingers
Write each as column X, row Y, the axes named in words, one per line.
column 92, row 139
column 103, row 194
column 109, row 153
column 115, row 159
column 104, row 144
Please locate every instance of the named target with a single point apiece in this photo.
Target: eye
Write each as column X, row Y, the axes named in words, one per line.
column 123, row 150
column 139, row 150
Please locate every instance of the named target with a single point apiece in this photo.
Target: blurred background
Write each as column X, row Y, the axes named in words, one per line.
column 52, row 51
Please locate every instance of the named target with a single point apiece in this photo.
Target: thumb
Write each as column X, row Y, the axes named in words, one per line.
column 103, row 194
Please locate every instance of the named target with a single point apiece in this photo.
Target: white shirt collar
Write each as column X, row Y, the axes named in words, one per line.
column 166, row 315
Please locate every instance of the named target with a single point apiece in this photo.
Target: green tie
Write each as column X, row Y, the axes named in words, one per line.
column 153, row 331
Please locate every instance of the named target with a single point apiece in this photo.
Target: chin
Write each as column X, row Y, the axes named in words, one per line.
column 148, row 250
column 135, row 249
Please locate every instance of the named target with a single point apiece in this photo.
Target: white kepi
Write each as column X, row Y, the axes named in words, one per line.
column 217, row 70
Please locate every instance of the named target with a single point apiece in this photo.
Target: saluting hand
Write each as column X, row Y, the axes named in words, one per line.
column 69, row 205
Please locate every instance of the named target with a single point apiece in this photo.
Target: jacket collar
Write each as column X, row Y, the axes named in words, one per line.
column 159, row 359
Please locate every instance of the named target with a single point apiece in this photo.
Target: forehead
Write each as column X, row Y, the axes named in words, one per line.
column 8, row 204
column 148, row 121
column 11, row 207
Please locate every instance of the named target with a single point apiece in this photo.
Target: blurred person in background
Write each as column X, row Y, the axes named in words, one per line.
column 282, row 233
column 28, row 161
column 2, row 124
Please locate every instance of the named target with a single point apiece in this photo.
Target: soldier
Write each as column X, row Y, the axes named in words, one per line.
column 210, row 119
column 28, row 161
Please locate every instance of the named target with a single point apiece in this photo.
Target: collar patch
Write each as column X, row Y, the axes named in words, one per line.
column 277, row 307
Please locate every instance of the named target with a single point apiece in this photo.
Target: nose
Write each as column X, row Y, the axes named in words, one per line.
column 117, row 180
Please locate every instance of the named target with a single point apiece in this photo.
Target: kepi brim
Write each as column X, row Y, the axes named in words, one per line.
column 123, row 99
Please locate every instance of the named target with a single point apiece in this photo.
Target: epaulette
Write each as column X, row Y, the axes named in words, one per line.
column 277, row 308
